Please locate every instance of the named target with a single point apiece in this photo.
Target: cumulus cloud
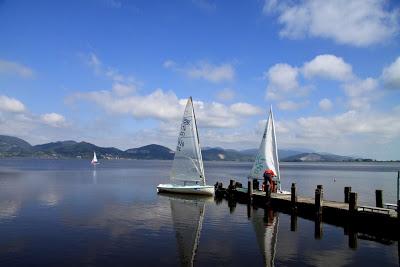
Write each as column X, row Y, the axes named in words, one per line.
column 328, row 67
column 282, row 81
column 204, row 70
column 391, row 75
column 325, row 104
column 15, row 68
column 10, row 104
column 357, row 22
column 361, row 92
column 53, row 119
column 166, row 107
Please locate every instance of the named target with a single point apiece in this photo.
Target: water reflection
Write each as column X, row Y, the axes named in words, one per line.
column 94, row 175
column 265, row 223
column 187, row 215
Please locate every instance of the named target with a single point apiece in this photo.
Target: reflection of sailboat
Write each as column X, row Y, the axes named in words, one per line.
column 187, row 215
column 94, row 176
column 267, row 156
column 94, row 160
column 265, row 224
column 187, row 167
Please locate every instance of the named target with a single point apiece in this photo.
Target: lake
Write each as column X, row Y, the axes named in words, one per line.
column 67, row 213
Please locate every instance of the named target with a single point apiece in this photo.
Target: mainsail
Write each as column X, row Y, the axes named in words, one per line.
column 187, row 216
column 267, row 156
column 188, row 163
column 94, row 160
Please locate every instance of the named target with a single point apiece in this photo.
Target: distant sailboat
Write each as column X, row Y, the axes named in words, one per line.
column 187, row 174
column 267, row 156
column 94, row 160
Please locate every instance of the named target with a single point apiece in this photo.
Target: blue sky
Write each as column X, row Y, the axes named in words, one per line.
column 117, row 73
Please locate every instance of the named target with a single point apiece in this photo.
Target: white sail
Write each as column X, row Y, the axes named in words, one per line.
column 187, row 215
column 188, row 163
column 267, row 156
column 94, row 160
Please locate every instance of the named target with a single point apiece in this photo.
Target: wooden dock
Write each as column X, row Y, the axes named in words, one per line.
column 382, row 223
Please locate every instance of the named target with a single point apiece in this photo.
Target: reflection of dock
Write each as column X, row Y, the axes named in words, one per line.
column 381, row 223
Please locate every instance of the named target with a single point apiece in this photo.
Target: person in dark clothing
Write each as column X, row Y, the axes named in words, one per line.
column 268, row 174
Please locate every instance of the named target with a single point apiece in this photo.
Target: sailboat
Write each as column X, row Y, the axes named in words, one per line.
column 267, row 156
column 187, row 174
column 94, row 160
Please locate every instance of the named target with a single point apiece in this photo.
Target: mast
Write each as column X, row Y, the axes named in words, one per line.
column 278, row 173
column 198, row 143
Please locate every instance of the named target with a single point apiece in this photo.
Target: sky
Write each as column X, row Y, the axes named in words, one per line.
column 118, row 73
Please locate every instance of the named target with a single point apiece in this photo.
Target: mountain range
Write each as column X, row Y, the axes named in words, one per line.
column 15, row 147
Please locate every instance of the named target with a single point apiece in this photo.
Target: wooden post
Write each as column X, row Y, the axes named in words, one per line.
column 250, row 191
column 231, row 184
column 398, row 212
column 293, row 195
column 318, row 201
column 379, row 198
column 353, row 202
column 321, row 189
column 347, row 191
column 398, row 189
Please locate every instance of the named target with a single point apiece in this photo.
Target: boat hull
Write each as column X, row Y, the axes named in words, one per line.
column 186, row 189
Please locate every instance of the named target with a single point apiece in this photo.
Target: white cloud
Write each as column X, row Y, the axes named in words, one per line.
column 53, row 119
column 123, row 89
column 225, row 94
column 361, row 92
column 325, row 104
column 356, row 22
column 245, row 109
column 14, row 68
column 283, row 81
column 291, row 105
column 166, row 107
column 10, row 104
column 93, row 61
column 203, row 70
column 391, row 75
column 329, row 67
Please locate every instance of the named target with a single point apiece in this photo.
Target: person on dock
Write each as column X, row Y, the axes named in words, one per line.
column 268, row 179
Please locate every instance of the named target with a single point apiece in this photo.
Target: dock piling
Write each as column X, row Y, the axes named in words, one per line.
column 379, row 198
column 347, row 191
column 318, row 200
column 353, row 202
column 293, row 194
column 250, row 189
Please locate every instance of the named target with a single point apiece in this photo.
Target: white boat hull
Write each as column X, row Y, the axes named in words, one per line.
column 186, row 189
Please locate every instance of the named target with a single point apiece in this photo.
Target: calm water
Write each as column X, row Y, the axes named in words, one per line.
column 65, row 213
